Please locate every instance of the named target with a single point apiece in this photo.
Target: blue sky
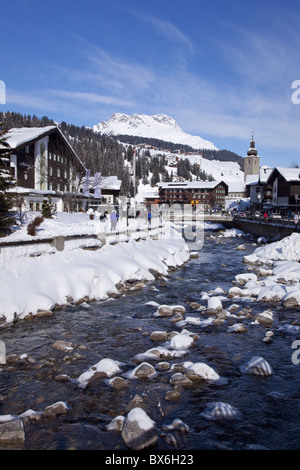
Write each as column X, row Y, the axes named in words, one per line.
column 221, row 69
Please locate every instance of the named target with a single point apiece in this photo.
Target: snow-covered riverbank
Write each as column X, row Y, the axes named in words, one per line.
column 29, row 285
column 273, row 273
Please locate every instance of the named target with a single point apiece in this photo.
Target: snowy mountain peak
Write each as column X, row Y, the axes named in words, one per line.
column 159, row 126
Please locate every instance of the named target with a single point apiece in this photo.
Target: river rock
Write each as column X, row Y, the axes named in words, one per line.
column 257, row 366
column 143, row 370
column 182, row 341
column 163, row 366
column 172, row 395
column 176, row 424
column 164, row 311
column 237, row 328
column 44, row 313
column 116, row 424
column 214, row 305
column 58, row 408
column 180, row 379
column 118, row 383
column 265, row 318
column 194, row 305
column 12, row 433
column 201, row 371
column 139, row 431
column 178, row 309
column 290, row 302
column 63, row 345
column 220, row 410
column 158, row 336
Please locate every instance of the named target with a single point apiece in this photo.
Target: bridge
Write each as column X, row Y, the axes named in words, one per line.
column 259, row 226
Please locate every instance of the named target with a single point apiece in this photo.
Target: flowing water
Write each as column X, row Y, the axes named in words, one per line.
column 119, row 329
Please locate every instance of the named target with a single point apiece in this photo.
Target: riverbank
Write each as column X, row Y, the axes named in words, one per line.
column 210, row 370
column 38, row 285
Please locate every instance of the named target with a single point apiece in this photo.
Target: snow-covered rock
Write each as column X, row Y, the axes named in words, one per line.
column 220, row 410
column 104, row 368
column 201, row 371
column 257, row 366
column 139, row 430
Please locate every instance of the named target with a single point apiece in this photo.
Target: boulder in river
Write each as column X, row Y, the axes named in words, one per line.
column 12, row 433
column 139, row 431
column 257, row 366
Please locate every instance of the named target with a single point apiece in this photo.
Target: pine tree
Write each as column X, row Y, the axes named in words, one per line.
column 7, row 218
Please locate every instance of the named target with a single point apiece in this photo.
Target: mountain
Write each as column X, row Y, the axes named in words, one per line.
column 159, row 126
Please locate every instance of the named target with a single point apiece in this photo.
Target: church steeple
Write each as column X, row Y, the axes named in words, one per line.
column 252, row 152
column 251, row 161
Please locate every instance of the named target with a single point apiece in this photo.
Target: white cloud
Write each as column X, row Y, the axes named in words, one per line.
column 168, row 30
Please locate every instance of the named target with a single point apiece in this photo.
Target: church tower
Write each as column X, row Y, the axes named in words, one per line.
column 251, row 161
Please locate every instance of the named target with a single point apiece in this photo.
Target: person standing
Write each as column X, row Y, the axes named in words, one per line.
column 113, row 220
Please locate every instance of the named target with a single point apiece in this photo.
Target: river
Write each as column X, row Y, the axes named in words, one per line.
column 120, row 329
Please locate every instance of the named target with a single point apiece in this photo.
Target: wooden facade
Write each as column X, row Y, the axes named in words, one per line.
column 285, row 184
column 210, row 194
column 43, row 163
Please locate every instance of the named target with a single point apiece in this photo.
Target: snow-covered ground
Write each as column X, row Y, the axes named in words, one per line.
column 31, row 283
column 274, row 273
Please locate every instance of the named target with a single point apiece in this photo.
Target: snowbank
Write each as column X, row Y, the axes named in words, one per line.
column 286, row 249
column 55, row 279
column 281, row 281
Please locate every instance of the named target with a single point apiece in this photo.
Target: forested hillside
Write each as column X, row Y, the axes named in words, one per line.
column 221, row 155
column 104, row 154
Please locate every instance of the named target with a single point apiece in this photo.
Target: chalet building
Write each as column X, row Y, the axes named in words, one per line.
column 44, row 164
column 259, row 190
column 101, row 188
column 285, row 189
column 210, row 194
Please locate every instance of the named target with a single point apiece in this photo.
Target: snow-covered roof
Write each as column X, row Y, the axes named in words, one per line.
column 264, row 173
column 110, row 182
column 289, row 174
column 19, row 136
column 252, row 179
column 190, row 184
column 237, row 187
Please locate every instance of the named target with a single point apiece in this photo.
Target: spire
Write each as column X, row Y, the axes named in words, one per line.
column 252, row 152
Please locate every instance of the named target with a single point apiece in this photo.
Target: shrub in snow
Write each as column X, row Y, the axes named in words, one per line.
column 31, row 228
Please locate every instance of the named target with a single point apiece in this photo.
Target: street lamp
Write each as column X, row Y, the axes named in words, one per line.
column 259, row 201
column 128, row 205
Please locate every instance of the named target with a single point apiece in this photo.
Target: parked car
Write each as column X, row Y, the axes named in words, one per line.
column 276, row 215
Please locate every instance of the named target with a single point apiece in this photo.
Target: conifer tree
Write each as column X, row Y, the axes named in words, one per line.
column 6, row 216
